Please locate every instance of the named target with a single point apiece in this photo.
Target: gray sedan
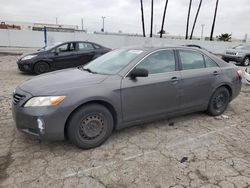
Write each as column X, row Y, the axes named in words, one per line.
column 122, row 88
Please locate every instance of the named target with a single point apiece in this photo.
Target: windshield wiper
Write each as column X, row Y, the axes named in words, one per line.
column 88, row 70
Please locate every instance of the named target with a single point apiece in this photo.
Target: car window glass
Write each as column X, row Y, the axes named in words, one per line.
column 209, row 62
column 159, row 62
column 67, row 47
column 96, row 46
column 191, row 60
column 63, row 48
column 85, row 46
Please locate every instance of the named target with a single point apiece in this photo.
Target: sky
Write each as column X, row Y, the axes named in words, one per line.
column 125, row 15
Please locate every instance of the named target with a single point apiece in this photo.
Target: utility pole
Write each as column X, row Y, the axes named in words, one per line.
column 202, row 30
column 82, row 24
column 215, row 14
column 56, row 21
column 163, row 18
column 152, row 13
column 189, row 9
column 103, row 17
column 142, row 19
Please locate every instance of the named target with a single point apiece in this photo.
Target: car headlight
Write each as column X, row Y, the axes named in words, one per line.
column 44, row 101
column 28, row 57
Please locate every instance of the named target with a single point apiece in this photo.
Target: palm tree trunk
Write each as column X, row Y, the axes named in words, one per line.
column 215, row 14
column 197, row 13
column 142, row 19
column 189, row 9
column 163, row 19
column 152, row 14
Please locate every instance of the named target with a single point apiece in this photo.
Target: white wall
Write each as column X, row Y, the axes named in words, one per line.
column 25, row 38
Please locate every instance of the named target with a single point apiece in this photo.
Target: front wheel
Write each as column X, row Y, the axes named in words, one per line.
column 218, row 102
column 246, row 61
column 90, row 126
column 41, row 67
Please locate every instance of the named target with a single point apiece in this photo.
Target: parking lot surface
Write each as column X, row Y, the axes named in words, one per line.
column 196, row 150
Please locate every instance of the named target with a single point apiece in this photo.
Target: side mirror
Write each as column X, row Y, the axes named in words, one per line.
column 138, row 72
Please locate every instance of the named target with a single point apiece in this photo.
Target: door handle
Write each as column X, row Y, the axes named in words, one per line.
column 215, row 73
column 174, row 79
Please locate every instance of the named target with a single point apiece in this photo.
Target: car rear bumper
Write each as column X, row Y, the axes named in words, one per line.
column 236, row 59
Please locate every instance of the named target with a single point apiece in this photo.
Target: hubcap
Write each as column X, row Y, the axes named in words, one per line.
column 246, row 62
column 219, row 101
column 91, row 126
column 42, row 68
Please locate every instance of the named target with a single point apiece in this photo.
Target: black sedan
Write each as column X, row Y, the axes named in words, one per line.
column 60, row 56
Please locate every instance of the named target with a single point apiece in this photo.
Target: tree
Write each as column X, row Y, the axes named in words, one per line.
column 197, row 13
column 189, row 10
column 224, row 37
column 163, row 18
column 215, row 14
column 142, row 19
column 152, row 14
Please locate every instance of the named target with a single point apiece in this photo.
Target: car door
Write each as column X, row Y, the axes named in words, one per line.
column 199, row 74
column 65, row 56
column 156, row 94
column 86, row 52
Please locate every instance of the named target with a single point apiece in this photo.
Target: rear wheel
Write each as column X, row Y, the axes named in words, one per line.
column 218, row 102
column 41, row 67
column 246, row 61
column 90, row 126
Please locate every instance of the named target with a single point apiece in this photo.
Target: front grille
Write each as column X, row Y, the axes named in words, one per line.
column 17, row 98
column 231, row 53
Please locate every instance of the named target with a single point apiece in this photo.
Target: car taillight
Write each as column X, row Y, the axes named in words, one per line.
column 239, row 73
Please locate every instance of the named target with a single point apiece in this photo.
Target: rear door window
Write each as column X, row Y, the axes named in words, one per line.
column 85, row 46
column 209, row 62
column 191, row 60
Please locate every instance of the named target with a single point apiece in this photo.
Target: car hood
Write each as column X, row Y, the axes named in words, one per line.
column 60, row 82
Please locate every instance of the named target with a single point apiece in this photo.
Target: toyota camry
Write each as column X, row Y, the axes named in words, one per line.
column 122, row 88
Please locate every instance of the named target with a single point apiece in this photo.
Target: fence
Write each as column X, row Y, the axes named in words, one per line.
column 26, row 38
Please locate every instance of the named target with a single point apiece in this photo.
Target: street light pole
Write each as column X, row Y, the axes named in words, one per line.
column 103, row 17
column 202, row 29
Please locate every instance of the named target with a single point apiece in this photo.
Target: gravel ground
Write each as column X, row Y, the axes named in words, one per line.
column 190, row 151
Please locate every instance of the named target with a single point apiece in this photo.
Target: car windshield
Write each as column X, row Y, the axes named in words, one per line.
column 112, row 62
column 242, row 47
column 49, row 47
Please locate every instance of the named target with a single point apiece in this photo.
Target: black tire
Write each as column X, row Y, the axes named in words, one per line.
column 246, row 61
column 218, row 102
column 41, row 67
column 90, row 126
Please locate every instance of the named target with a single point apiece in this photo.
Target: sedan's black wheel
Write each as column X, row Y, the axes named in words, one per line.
column 90, row 126
column 246, row 61
column 219, row 101
column 41, row 67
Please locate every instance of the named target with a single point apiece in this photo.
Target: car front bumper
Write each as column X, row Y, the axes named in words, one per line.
column 25, row 66
column 42, row 122
column 237, row 59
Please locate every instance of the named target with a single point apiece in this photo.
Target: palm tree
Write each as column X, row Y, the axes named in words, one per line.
column 142, row 19
column 152, row 13
column 215, row 14
column 163, row 19
column 189, row 9
column 197, row 13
